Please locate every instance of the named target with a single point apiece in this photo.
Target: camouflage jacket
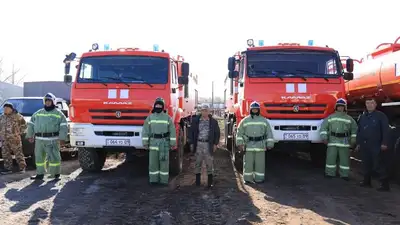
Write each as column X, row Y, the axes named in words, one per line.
column 12, row 126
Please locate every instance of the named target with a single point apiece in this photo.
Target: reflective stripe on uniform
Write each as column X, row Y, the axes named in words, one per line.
column 259, row 174
column 63, row 124
column 172, row 139
column 47, row 115
column 154, row 173
column 354, row 135
column 339, row 119
column 338, row 145
column 255, row 149
column 344, row 167
column 153, row 148
column 270, row 139
column 40, row 164
column 145, row 138
column 54, row 164
column 330, row 166
column 239, row 138
column 248, row 174
column 164, row 173
column 254, row 123
column 158, row 121
column 323, row 132
column 47, row 138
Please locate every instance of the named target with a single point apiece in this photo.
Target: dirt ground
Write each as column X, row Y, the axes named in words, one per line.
column 295, row 193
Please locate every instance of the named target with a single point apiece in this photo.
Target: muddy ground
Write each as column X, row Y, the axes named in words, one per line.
column 295, row 193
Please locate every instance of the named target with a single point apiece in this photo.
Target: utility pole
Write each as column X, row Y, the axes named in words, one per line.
column 13, row 75
column 212, row 95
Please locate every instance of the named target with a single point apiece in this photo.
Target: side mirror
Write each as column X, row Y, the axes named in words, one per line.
column 348, row 76
column 185, row 69
column 65, row 112
column 233, row 74
column 67, row 68
column 231, row 64
column 67, row 79
column 183, row 80
column 349, row 65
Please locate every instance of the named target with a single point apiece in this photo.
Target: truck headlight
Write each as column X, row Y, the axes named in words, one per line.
column 76, row 131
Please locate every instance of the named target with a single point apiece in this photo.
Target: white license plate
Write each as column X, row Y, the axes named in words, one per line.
column 118, row 142
column 295, row 136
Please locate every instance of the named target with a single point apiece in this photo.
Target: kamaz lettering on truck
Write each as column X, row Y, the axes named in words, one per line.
column 297, row 87
column 113, row 93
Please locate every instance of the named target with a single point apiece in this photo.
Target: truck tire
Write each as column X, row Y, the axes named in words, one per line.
column 237, row 157
column 91, row 159
column 176, row 156
column 318, row 155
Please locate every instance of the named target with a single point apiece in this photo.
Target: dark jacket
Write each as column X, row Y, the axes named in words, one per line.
column 213, row 136
column 373, row 129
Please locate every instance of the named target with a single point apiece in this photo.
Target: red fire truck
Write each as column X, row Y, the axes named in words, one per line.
column 113, row 93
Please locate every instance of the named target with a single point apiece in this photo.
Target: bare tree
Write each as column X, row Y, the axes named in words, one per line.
column 10, row 78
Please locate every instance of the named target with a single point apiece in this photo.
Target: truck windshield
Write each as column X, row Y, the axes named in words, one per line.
column 26, row 107
column 290, row 63
column 125, row 69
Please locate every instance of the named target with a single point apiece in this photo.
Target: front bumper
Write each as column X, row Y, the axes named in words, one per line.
column 100, row 136
column 296, row 130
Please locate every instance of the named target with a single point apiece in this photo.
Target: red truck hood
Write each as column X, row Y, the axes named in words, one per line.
column 114, row 104
column 294, row 99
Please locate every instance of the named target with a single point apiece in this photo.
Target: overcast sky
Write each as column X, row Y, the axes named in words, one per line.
column 36, row 35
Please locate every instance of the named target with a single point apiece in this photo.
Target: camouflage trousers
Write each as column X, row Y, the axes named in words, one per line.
column 13, row 147
column 203, row 154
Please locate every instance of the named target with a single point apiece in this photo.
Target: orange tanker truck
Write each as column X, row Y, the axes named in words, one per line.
column 297, row 87
column 113, row 93
column 378, row 75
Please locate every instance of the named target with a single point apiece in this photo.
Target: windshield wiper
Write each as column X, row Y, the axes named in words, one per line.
column 321, row 74
column 273, row 72
column 118, row 79
column 95, row 79
column 139, row 79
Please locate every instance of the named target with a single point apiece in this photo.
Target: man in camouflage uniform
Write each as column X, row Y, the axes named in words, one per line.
column 339, row 132
column 159, row 135
column 48, row 128
column 12, row 125
column 204, row 139
column 254, row 136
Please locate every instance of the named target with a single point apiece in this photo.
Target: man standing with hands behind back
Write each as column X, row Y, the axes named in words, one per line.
column 204, row 139
column 372, row 140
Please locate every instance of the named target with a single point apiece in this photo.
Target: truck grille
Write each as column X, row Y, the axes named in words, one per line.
column 137, row 115
column 295, row 109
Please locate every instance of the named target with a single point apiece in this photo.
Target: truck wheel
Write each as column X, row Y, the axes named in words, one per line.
column 176, row 156
column 318, row 155
column 237, row 157
column 91, row 160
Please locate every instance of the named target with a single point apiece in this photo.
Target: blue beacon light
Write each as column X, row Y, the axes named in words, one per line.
column 106, row 47
column 155, row 47
column 310, row 42
column 260, row 42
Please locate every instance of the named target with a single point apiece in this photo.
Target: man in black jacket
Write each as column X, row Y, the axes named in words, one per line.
column 372, row 141
column 204, row 139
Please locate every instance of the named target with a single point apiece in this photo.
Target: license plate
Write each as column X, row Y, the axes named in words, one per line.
column 295, row 136
column 118, row 142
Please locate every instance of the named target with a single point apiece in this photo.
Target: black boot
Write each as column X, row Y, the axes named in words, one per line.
column 384, row 186
column 38, row 177
column 210, row 180
column 57, row 177
column 198, row 178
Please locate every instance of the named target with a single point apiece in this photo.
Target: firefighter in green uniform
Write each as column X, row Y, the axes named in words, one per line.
column 254, row 136
column 48, row 129
column 339, row 132
column 159, row 136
